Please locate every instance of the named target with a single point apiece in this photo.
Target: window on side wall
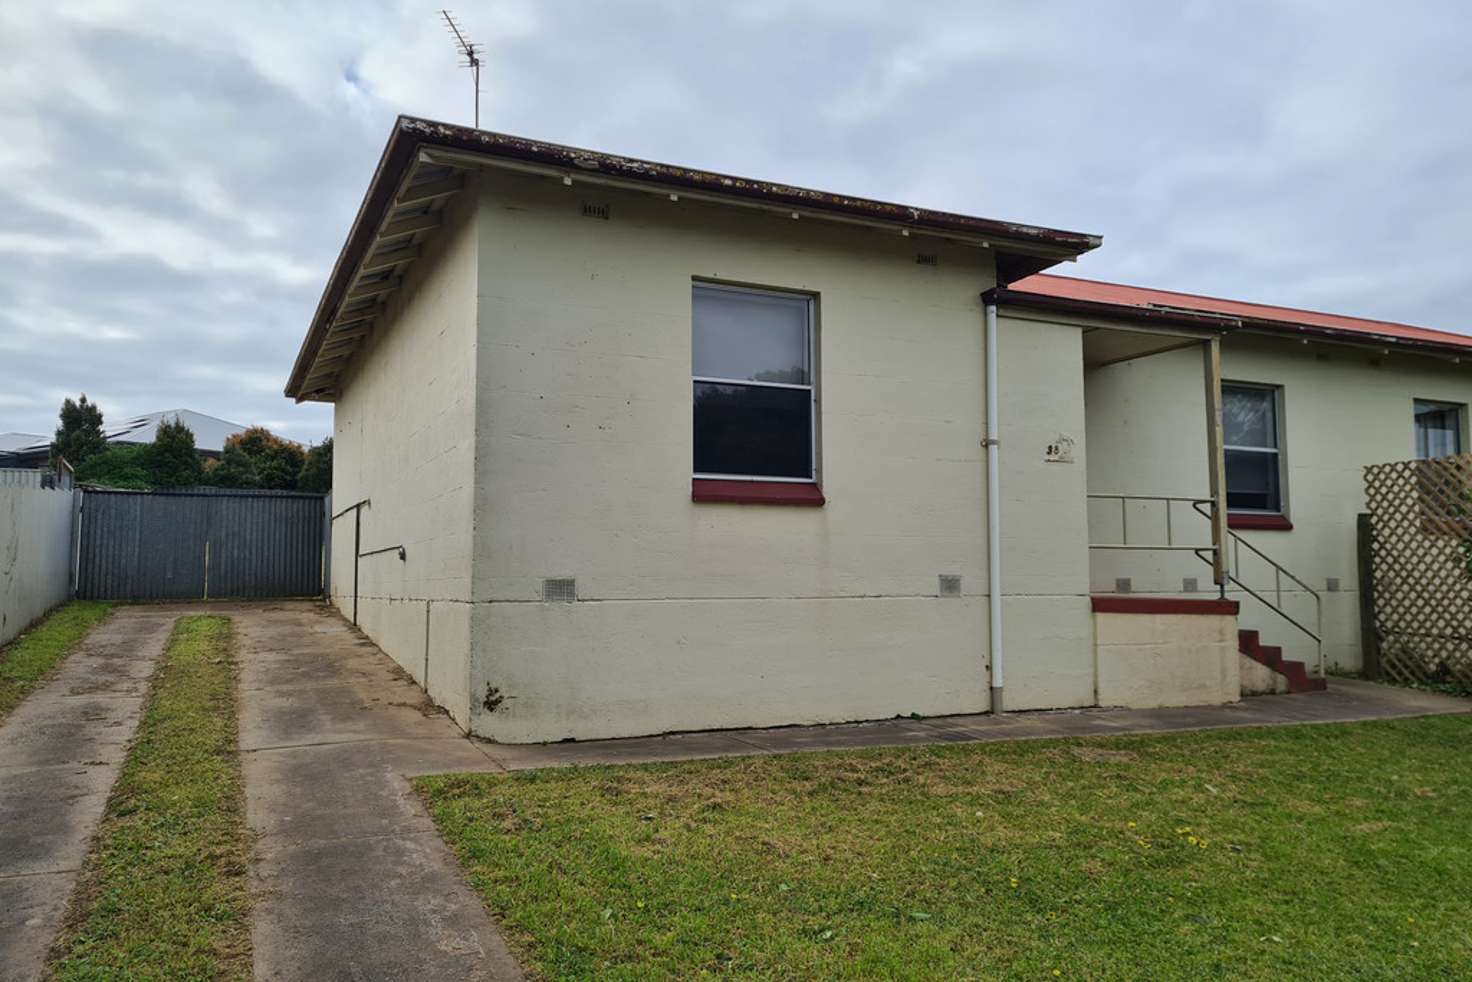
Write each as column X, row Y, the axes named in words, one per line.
column 1438, row 428
column 752, row 370
column 1253, row 455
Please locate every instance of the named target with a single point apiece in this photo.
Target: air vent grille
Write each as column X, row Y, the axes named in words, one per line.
column 1332, row 584
column 1122, row 584
column 561, row 590
column 1189, row 584
column 927, row 259
column 950, row 586
column 592, row 209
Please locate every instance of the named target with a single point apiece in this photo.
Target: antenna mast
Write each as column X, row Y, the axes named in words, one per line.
column 470, row 51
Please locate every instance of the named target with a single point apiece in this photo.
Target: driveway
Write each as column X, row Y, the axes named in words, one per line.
column 349, row 878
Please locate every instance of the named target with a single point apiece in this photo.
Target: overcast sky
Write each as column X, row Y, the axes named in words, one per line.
column 177, row 178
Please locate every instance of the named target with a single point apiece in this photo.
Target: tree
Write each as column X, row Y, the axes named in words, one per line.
column 123, row 465
column 172, row 460
column 257, row 458
column 316, row 472
column 236, row 469
column 80, row 434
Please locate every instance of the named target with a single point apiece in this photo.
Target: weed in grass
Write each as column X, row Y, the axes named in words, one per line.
column 1325, row 851
column 27, row 659
column 163, row 894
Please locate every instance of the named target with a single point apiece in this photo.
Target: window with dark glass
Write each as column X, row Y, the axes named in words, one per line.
column 1250, row 431
column 751, row 366
column 1438, row 429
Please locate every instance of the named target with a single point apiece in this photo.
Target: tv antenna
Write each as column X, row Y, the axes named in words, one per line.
column 470, row 51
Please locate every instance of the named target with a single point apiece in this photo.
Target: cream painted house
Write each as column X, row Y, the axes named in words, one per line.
column 625, row 448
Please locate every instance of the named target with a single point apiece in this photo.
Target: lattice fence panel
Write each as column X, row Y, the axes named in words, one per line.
column 1421, row 564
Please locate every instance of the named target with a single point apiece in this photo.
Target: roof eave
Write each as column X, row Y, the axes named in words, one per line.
column 1219, row 323
column 1021, row 249
column 1222, row 322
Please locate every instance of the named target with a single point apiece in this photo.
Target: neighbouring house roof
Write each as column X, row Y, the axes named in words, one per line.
column 14, row 441
column 210, row 433
column 1117, row 299
column 423, row 165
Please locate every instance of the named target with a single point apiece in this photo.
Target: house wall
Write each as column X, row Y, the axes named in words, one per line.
column 403, row 437
column 35, row 554
column 710, row 615
column 1342, row 408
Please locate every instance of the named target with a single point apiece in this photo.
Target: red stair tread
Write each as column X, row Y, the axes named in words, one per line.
column 1271, row 656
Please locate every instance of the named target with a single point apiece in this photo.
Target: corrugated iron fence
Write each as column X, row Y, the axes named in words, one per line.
column 203, row 544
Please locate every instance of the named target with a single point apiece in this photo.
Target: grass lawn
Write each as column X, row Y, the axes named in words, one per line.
column 1339, row 851
column 27, row 658
column 163, row 894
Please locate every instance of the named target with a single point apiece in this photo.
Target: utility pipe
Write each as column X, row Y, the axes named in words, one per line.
column 993, row 509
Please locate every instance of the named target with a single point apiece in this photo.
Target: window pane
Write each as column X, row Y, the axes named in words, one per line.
column 1249, row 416
column 753, row 431
column 756, row 336
column 1438, row 429
column 1252, row 481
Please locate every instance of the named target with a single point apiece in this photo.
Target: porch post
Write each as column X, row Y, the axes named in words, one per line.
column 1211, row 356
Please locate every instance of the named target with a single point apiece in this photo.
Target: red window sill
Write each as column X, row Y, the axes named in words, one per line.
column 755, row 492
column 1246, row 520
column 1161, row 605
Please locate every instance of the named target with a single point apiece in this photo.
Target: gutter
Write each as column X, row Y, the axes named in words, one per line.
column 1023, row 249
column 1223, row 323
column 993, row 510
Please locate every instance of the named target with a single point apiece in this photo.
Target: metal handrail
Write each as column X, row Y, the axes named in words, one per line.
column 1124, row 521
column 1279, row 571
column 1207, row 553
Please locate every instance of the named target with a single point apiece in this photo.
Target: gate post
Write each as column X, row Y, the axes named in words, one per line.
column 1369, row 636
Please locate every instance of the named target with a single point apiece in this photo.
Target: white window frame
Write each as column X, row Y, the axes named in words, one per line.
column 1459, row 408
column 1276, row 391
column 812, row 383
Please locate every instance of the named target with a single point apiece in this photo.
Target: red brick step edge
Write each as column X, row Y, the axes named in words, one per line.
column 1299, row 680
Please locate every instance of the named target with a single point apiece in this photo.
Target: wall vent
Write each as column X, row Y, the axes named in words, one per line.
column 594, row 210
column 1189, row 585
column 927, row 259
column 950, row 586
column 1332, row 584
column 561, row 590
column 1122, row 584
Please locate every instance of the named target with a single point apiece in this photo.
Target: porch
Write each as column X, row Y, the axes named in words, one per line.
column 1160, row 541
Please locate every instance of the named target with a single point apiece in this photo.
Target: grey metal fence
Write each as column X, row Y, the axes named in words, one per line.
column 207, row 544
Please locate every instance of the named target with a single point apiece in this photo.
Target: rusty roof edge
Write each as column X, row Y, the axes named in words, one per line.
column 1268, row 325
column 496, row 144
column 1116, row 311
column 411, row 133
column 1186, row 315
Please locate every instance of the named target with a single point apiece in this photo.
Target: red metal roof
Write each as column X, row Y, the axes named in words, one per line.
column 1254, row 315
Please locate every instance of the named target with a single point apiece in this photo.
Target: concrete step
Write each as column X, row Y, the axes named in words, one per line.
column 1271, row 656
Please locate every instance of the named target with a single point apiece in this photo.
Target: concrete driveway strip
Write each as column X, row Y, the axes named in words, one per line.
column 60, row 752
column 350, row 880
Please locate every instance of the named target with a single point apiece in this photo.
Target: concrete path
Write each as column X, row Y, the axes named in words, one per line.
column 349, row 879
column 60, row 752
column 1347, row 700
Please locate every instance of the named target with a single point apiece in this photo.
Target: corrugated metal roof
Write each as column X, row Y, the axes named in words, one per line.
column 1252, row 315
column 210, row 432
column 15, row 441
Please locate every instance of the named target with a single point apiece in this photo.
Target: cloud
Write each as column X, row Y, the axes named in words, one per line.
column 176, row 179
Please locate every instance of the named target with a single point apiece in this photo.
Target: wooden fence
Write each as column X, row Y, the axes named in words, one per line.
column 1420, row 601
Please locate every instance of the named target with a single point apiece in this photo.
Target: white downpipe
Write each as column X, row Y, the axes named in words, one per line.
column 993, row 509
